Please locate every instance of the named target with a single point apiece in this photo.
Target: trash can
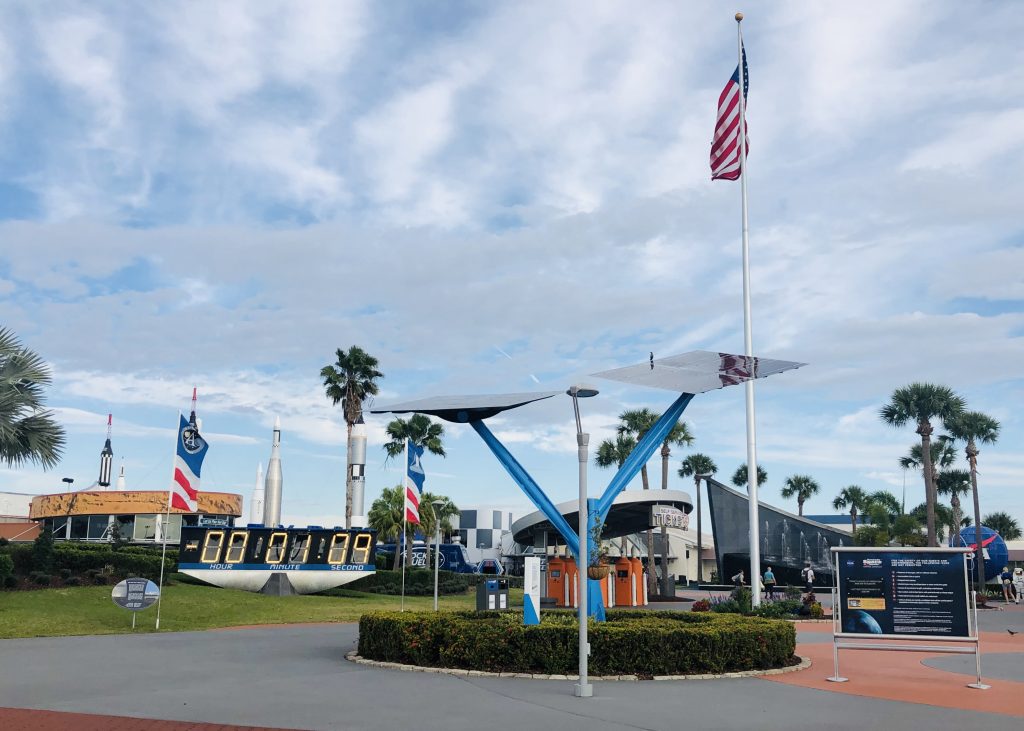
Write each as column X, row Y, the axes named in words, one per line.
column 492, row 595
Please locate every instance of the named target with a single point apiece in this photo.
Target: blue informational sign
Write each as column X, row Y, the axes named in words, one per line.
column 903, row 592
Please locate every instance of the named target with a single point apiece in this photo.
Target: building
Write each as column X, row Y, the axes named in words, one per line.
column 481, row 529
column 136, row 516
column 15, row 525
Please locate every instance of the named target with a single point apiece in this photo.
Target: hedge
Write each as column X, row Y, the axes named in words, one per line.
column 80, row 557
column 418, row 582
column 629, row 643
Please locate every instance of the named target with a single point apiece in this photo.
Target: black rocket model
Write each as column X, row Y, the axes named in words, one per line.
column 106, row 457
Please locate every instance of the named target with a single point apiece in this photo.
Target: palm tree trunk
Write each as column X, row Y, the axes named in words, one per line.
column 853, row 519
column 652, row 575
column 666, row 580
column 700, row 567
column 800, row 508
column 979, row 561
column 398, row 550
column 348, row 476
column 925, row 430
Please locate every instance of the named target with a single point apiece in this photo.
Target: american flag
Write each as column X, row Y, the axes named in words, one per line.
column 725, row 148
column 413, row 483
column 188, row 462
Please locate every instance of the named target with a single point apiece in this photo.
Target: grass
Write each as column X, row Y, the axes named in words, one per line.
column 89, row 610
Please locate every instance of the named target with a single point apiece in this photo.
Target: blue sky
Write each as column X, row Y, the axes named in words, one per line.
column 222, row 194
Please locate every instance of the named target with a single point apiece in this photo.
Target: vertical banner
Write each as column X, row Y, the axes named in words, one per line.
column 531, row 590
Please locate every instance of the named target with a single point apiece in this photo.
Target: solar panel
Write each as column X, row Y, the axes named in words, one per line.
column 462, row 409
column 698, row 371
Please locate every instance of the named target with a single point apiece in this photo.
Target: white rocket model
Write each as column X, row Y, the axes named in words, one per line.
column 106, row 457
column 121, row 485
column 272, row 490
column 256, row 506
column 357, row 457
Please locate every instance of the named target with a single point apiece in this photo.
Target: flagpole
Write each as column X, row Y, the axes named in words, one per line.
column 405, row 513
column 748, row 344
column 163, row 528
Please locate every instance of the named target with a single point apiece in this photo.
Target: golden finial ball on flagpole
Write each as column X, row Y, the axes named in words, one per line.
column 739, row 17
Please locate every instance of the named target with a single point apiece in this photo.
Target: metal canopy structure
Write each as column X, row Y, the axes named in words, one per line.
column 699, row 371
column 686, row 374
column 464, row 409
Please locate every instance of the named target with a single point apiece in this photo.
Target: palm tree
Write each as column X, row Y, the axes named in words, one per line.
column 739, row 477
column 954, row 483
column 1004, row 524
column 431, row 516
column 854, row 498
column 28, row 433
column 386, row 517
column 698, row 466
column 943, row 451
column 635, row 423
column 802, row 487
column 613, row 452
column 350, row 380
column 419, row 430
column 973, row 427
column 920, row 403
column 887, row 502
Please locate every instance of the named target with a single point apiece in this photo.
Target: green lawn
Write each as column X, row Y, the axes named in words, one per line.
column 90, row 611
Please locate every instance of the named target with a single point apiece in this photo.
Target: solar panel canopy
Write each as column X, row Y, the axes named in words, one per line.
column 698, row 371
column 463, row 409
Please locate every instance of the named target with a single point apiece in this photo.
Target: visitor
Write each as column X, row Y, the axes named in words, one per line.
column 769, row 583
column 1018, row 582
column 1007, row 580
column 807, row 574
column 737, row 580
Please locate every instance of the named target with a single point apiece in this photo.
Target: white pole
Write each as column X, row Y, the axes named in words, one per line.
column 584, row 689
column 163, row 528
column 748, row 344
column 401, row 540
column 437, row 553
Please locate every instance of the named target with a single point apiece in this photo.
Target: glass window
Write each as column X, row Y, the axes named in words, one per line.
column 486, row 537
column 467, row 519
column 211, row 548
column 98, row 525
column 145, row 528
column 496, row 522
column 275, row 548
column 236, row 547
column 339, row 547
column 299, row 551
column 79, row 527
column 173, row 527
column 60, row 526
column 126, row 526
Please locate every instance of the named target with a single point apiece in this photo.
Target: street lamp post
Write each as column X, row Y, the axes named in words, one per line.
column 438, row 504
column 583, row 689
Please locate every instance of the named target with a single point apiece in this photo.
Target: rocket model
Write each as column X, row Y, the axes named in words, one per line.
column 106, row 457
column 357, row 457
column 121, row 485
column 256, row 506
column 272, row 491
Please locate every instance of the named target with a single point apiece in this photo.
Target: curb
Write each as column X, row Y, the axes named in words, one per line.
column 353, row 656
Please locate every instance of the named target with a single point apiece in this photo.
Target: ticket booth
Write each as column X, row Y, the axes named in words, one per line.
column 625, row 588
column 639, row 581
column 572, row 582
column 558, row 587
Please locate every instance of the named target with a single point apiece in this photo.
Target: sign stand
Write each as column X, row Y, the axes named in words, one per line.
column 849, row 640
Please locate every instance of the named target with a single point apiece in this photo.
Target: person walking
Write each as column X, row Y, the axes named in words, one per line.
column 737, row 580
column 1006, row 579
column 807, row 574
column 769, row 583
column 1018, row 582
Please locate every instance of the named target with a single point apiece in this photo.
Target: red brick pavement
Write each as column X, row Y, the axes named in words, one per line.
column 24, row 719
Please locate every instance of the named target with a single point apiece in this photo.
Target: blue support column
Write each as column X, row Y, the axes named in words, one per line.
column 595, row 600
column 530, row 487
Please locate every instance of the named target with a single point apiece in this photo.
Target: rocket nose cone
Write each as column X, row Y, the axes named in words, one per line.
column 277, row 423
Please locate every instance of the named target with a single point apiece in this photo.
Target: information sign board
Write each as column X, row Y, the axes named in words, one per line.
column 531, row 590
column 135, row 594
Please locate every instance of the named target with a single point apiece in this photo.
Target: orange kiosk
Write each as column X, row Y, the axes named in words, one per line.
column 557, row 586
column 572, row 579
column 639, row 581
column 625, row 592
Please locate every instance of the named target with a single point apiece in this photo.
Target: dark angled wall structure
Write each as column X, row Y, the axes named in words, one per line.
column 787, row 540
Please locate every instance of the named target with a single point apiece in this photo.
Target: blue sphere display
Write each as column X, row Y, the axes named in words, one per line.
column 993, row 549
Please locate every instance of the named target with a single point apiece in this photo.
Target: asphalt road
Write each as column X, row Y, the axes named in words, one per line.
column 297, row 677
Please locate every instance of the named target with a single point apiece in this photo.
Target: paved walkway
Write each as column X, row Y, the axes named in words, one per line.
column 295, row 677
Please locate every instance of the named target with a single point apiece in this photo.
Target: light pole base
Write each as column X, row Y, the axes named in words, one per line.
column 837, row 679
column 976, row 686
column 583, row 691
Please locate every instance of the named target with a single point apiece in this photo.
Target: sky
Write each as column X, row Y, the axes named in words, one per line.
column 494, row 197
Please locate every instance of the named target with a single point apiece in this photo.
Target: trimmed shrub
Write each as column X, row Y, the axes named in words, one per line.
column 10, row 582
column 629, row 643
column 81, row 558
column 418, row 582
column 701, row 605
column 72, row 581
column 41, row 579
column 6, row 566
column 777, row 609
column 42, row 552
column 65, row 574
column 99, row 580
column 22, row 555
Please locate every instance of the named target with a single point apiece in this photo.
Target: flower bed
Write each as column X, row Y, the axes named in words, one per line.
column 638, row 643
